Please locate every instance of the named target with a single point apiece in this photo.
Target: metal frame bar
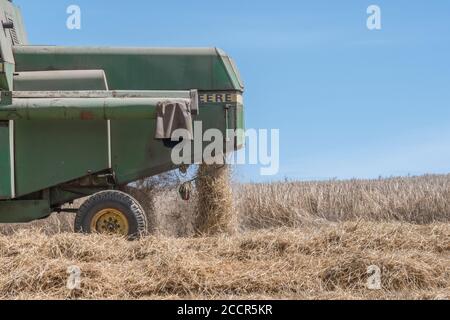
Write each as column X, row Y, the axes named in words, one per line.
column 109, row 145
column 12, row 159
column 188, row 94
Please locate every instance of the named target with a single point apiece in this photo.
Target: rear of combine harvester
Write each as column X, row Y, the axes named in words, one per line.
column 77, row 122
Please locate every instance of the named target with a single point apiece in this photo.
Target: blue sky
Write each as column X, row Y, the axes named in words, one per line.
column 349, row 102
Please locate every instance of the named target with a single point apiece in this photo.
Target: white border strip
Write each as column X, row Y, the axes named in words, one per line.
column 109, row 145
column 12, row 159
column 109, row 128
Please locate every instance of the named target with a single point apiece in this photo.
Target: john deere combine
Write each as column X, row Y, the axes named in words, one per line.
column 77, row 122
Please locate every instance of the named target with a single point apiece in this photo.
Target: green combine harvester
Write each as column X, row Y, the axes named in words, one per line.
column 79, row 122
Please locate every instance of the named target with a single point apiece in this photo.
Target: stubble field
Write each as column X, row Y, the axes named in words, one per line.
column 293, row 240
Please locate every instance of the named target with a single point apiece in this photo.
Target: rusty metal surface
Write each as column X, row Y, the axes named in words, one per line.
column 106, row 94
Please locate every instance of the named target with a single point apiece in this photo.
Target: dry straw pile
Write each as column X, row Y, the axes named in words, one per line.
column 324, row 262
column 215, row 211
column 296, row 240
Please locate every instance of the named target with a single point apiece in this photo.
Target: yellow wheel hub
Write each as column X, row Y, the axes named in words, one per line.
column 111, row 221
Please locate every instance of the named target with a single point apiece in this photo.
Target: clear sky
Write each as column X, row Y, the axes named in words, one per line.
column 349, row 102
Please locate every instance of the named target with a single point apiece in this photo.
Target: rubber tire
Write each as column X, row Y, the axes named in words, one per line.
column 129, row 206
column 145, row 198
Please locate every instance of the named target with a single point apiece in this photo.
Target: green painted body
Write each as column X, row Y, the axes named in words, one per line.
column 204, row 69
column 61, row 145
column 22, row 211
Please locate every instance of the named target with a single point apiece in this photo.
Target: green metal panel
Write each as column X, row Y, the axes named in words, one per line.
column 49, row 153
column 5, row 169
column 22, row 211
column 6, row 75
column 11, row 13
column 9, row 37
column 135, row 152
column 19, row 26
column 137, row 68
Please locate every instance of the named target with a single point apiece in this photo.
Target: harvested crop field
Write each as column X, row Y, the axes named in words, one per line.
column 318, row 240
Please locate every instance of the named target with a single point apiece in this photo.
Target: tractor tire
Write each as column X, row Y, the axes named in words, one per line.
column 147, row 200
column 112, row 212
